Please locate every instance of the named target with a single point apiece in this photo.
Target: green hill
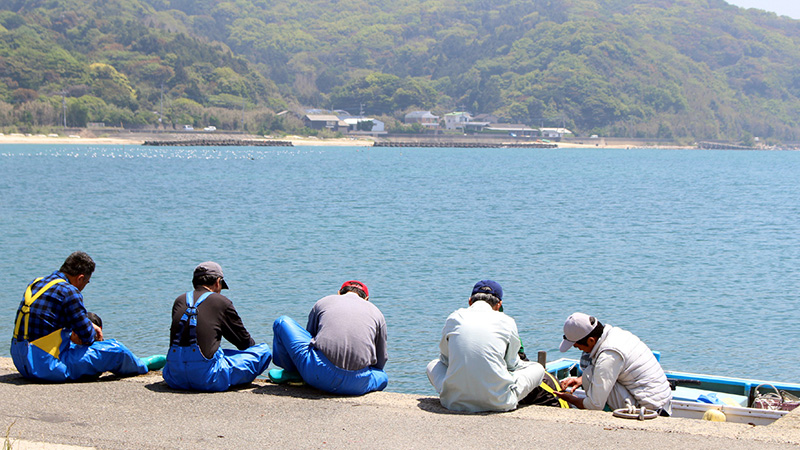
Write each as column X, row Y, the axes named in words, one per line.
column 681, row 69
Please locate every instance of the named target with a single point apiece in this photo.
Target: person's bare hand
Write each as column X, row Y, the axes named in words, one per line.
column 571, row 383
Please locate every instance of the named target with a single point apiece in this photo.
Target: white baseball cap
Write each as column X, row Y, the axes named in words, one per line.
column 577, row 327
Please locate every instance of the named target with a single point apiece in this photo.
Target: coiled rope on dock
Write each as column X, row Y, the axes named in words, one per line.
column 632, row 412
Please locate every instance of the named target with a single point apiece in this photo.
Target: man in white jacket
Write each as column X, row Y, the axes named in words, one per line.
column 616, row 366
column 479, row 368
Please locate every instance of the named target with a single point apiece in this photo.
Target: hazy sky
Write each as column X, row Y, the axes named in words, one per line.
column 789, row 8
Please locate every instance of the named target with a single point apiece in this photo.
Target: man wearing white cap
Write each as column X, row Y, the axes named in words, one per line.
column 616, row 366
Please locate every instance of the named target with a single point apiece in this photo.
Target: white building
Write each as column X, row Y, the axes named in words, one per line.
column 456, row 120
column 378, row 126
column 554, row 133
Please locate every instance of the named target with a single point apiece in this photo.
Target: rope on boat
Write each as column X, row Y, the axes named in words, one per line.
column 631, row 412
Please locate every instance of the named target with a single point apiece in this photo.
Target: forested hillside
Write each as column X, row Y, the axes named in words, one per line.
column 683, row 69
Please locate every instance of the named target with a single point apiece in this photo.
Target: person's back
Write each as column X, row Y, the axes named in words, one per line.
column 54, row 338
column 641, row 374
column 349, row 331
column 216, row 319
column 59, row 306
column 478, row 341
column 342, row 350
column 200, row 319
column 479, row 368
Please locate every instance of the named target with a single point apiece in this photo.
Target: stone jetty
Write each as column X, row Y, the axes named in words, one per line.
column 219, row 143
column 706, row 145
column 464, row 144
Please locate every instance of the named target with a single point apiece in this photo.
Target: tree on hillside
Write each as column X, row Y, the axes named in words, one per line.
column 105, row 82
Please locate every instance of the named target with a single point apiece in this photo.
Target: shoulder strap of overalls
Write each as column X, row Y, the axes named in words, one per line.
column 190, row 316
column 29, row 299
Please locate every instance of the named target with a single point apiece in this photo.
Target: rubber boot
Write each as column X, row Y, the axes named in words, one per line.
column 155, row 362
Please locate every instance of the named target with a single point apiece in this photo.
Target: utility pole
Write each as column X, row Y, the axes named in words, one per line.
column 161, row 107
column 64, row 107
column 242, row 113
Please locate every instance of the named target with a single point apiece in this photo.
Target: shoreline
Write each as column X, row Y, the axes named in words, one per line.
column 297, row 141
column 142, row 412
column 139, row 140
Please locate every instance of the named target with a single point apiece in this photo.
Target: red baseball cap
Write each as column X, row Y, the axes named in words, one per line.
column 357, row 284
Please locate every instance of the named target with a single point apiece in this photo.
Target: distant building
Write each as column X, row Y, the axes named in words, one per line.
column 456, row 120
column 324, row 121
column 357, row 125
column 475, row 127
column 463, row 121
column 512, row 129
column 554, row 133
column 424, row 118
column 491, row 118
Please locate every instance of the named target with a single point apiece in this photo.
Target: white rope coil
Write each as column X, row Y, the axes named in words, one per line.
column 631, row 412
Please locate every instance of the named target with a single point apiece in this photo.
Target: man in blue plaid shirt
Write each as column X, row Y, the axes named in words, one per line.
column 62, row 305
column 54, row 340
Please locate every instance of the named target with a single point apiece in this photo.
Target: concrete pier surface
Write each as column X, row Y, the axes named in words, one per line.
column 143, row 413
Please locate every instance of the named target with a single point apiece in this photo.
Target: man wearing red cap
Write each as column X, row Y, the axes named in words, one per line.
column 342, row 349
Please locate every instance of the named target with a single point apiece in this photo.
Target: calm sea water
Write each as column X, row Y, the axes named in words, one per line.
column 694, row 251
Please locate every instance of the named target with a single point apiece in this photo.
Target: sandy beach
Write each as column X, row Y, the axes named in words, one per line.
column 139, row 139
column 64, row 139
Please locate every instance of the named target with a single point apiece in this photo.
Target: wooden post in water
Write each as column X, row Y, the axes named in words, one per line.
column 542, row 358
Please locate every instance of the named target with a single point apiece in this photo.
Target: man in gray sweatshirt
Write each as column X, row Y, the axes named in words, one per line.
column 342, row 349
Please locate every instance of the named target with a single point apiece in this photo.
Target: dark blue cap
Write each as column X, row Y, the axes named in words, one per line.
column 488, row 287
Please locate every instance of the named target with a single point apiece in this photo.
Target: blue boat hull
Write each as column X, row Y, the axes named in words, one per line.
column 696, row 393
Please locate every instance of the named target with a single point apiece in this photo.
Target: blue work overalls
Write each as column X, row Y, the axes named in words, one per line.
column 294, row 352
column 56, row 358
column 188, row 369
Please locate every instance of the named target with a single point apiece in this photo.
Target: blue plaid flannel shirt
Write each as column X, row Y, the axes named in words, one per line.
column 60, row 307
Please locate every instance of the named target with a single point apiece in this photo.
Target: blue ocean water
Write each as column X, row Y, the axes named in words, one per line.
column 694, row 251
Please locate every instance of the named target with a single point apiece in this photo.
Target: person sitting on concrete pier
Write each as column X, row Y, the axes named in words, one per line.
column 616, row 365
column 54, row 338
column 479, row 368
column 200, row 319
column 95, row 319
column 342, row 350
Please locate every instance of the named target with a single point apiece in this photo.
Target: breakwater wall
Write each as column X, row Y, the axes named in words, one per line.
column 722, row 146
column 219, row 143
column 447, row 144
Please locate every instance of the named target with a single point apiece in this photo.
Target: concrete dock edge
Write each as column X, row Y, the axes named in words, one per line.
column 143, row 413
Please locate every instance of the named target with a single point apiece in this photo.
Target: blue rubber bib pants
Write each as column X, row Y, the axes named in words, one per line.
column 188, row 369
column 293, row 352
column 55, row 358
